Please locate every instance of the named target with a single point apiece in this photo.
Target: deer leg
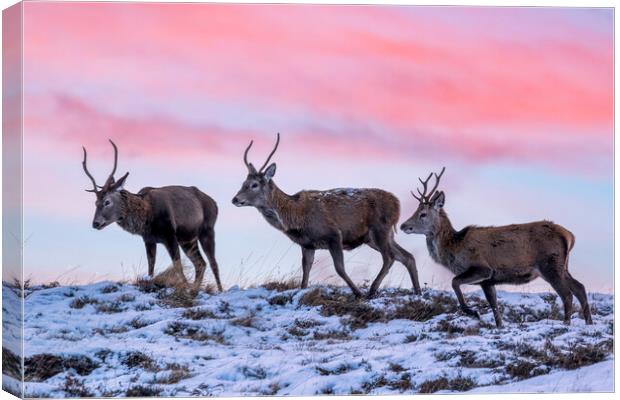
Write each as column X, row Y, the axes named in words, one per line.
column 177, row 268
column 335, row 249
column 193, row 253
column 408, row 261
column 381, row 244
column 207, row 240
column 471, row 276
column 489, row 293
column 151, row 252
column 579, row 291
column 307, row 258
column 561, row 285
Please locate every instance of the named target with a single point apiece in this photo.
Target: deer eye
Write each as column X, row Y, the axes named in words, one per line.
column 107, row 203
column 254, row 185
column 423, row 215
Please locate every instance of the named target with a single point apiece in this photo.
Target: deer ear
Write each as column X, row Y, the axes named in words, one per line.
column 438, row 200
column 270, row 171
column 118, row 185
column 251, row 168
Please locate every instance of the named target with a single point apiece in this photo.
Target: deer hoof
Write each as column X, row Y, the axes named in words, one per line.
column 471, row 313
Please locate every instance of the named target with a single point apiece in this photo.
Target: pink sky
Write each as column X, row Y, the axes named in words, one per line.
column 186, row 86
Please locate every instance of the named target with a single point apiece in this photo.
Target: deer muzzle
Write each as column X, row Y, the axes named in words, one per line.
column 239, row 203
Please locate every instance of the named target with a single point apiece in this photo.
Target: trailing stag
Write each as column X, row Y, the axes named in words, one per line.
column 487, row 256
column 336, row 220
column 171, row 215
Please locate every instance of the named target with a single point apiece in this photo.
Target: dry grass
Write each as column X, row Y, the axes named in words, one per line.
column 307, row 323
column 126, row 298
column 340, row 369
column 459, row 384
column 198, row 314
column 109, row 289
column 402, row 383
column 523, row 369
column 530, row 361
column 177, row 297
column 74, row 387
column 176, row 373
column 43, row 366
column 280, row 299
column 211, row 288
column 116, row 329
column 143, row 391
column 182, row 330
column 473, row 359
column 527, row 314
column 358, row 313
column 281, row 286
column 138, row 359
column 258, row 373
column 138, row 323
column 272, row 389
column 11, row 364
column 147, row 286
column 170, row 278
column 248, row 321
column 331, row 334
column 109, row 307
column 80, row 302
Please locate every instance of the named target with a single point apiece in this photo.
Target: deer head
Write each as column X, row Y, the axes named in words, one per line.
column 426, row 218
column 257, row 186
column 108, row 201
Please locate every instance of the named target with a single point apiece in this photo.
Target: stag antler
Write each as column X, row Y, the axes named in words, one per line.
column 115, row 159
column 245, row 155
column 271, row 154
column 110, row 179
column 425, row 198
column 94, row 189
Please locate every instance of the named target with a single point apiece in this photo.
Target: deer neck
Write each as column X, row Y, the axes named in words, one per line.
column 440, row 241
column 279, row 209
column 135, row 213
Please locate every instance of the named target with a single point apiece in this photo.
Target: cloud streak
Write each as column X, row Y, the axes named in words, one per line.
column 469, row 86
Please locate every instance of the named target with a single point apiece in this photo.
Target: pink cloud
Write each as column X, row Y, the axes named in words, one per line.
column 500, row 84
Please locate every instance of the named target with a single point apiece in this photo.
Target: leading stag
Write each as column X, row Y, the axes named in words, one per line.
column 171, row 215
column 337, row 220
column 487, row 256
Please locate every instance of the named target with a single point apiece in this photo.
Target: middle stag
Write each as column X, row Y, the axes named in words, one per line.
column 336, row 220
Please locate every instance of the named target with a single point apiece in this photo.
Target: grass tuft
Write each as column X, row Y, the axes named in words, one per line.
column 143, row 391
column 281, row 286
column 458, row 384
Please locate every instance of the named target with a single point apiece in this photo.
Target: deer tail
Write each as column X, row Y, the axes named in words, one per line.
column 569, row 241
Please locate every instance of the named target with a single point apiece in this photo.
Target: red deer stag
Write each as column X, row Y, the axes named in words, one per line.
column 337, row 220
column 487, row 256
column 171, row 215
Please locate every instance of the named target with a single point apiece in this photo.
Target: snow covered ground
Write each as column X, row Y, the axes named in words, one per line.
column 598, row 377
column 112, row 339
